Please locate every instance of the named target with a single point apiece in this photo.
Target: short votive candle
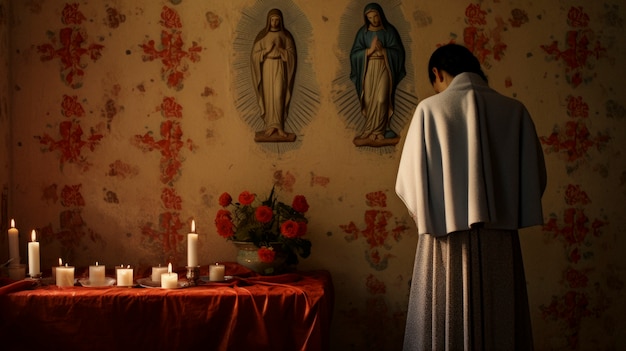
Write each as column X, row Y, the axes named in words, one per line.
column 169, row 280
column 156, row 273
column 65, row 276
column 216, row 272
column 96, row 274
column 124, row 276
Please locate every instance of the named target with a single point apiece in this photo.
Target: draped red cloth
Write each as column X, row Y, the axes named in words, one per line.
column 285, row 312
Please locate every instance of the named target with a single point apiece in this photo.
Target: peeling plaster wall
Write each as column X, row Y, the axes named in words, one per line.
column 120, row 137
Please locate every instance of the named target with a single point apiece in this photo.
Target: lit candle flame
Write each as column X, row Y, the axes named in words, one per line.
column 60, row 261
column 169, row 268
column 193, row 225
column 33, row 236
column 12, row 223
column 96, row 263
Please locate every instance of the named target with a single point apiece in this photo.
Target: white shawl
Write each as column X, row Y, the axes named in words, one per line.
column 471, row 155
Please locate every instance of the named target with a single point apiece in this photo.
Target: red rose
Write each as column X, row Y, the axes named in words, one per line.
column 289, row 229
column 224, row 223
column 266, row 255
column 300, row 204
column 245, row 198
column 225, row 199
column 223, row 214
column 263, row 214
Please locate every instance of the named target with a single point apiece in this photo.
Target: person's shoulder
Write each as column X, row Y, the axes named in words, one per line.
column 504, row 98
column 437, row 102
column 430, row 100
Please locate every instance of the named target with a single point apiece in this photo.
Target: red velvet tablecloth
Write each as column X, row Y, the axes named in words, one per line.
column 285, row 312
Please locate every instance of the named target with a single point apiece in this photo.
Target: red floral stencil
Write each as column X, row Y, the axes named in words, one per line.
column 377, row 232
column 576, row 226
column 71, row 143
column 72, row 48
column 582, row 48
column 170, row 224
column 481, row 40
column 166, row 232
column 71, row 107
column 170, row 50
column 72, row 228
column 574, row 140
column 375, row 286
column 122, row 170
column 284, row 180
column 576, row 231
column 170, row 144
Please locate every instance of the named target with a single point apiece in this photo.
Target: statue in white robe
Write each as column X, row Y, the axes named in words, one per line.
column 273, row 62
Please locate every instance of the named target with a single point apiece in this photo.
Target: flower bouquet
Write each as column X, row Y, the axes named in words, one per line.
column 268, row 223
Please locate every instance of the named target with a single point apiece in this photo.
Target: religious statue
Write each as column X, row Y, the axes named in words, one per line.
column 377, row 66
column 273, row 62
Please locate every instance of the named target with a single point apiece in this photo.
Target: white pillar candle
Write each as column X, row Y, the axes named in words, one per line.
column 156, row 273
column 192, row 246
column 33, row 256
column 65, row 276
column 169, row 280
column 125, row 276
column 14, row 243
column 216, row 272
column 96, row 275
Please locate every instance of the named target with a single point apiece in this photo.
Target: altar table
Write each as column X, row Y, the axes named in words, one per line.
column 290, row 312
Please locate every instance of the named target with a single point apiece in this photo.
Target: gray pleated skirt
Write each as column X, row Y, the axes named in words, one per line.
column 468, row 292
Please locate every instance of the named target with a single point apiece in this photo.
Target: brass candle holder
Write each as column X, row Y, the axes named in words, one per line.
column 193, row 275
column 37, row 276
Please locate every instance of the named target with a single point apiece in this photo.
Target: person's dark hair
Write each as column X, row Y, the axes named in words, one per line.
column 454, row 59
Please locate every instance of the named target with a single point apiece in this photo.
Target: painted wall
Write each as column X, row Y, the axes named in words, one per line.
column 4, row 123
column 129, row 119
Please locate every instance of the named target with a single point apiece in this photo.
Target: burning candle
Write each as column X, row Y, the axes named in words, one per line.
column 169, row 280
column 96, row 275
column 33, row 256
column 14, row 243
column 192, row 246
column 156, row 273
column 216, row 272
column 65, row 276
column 125, row 276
